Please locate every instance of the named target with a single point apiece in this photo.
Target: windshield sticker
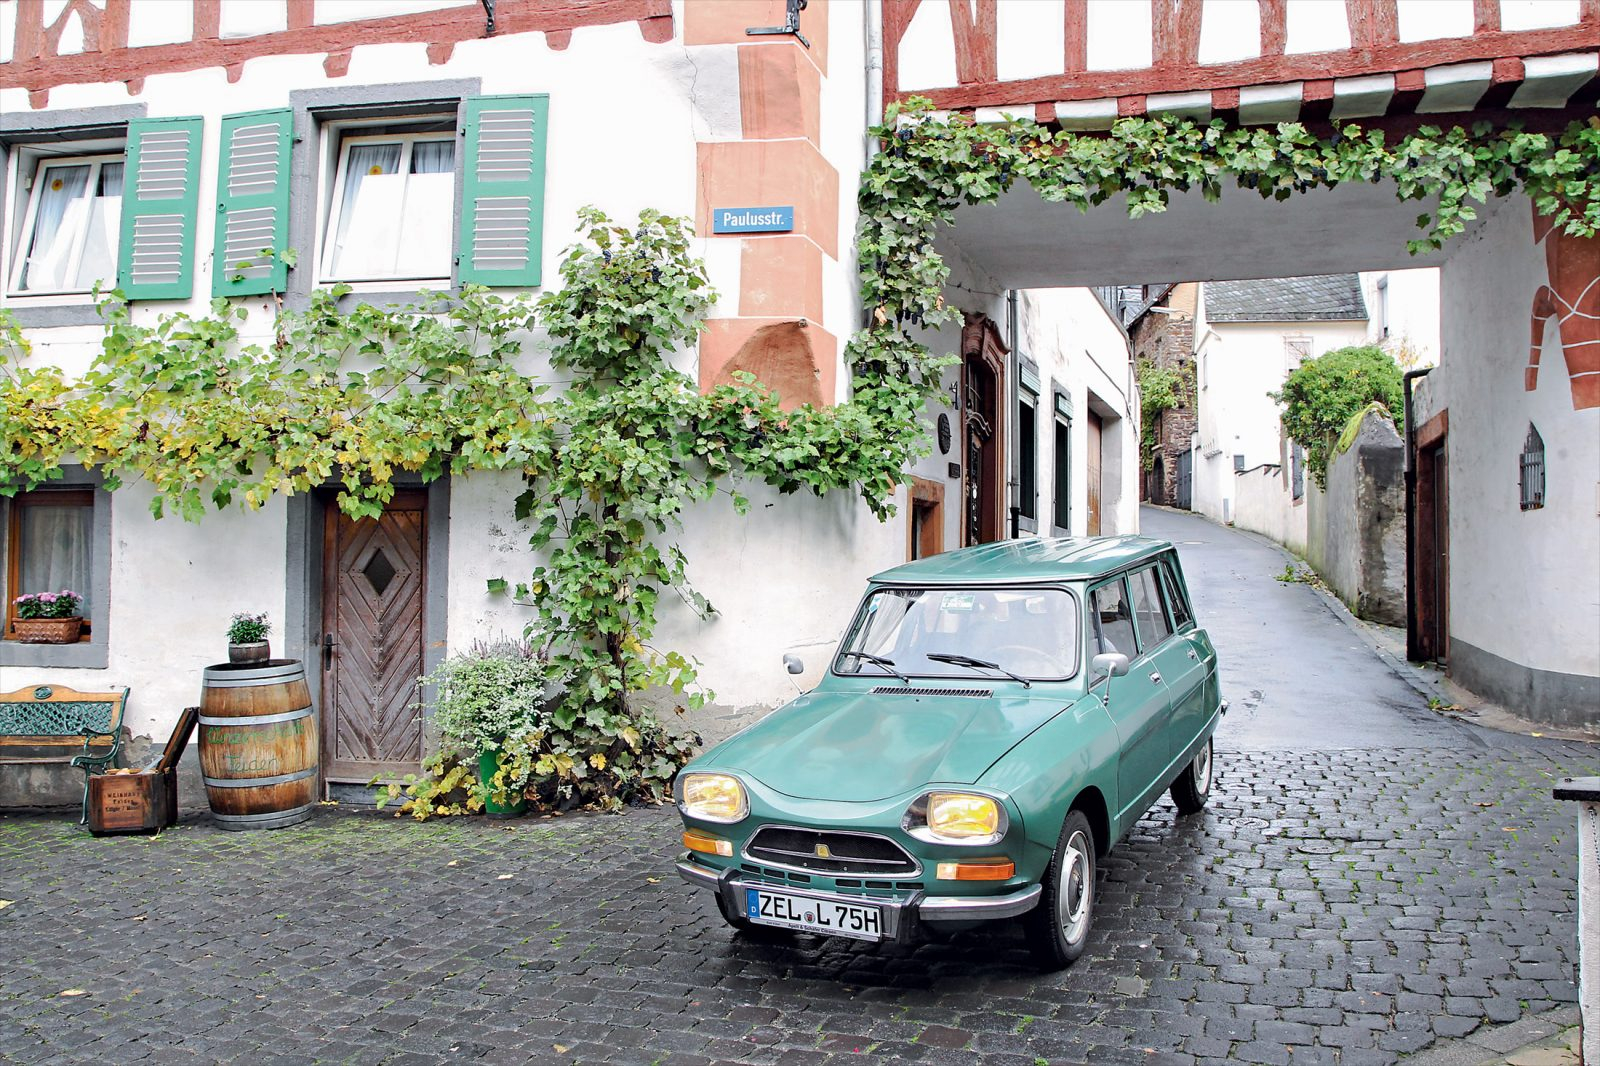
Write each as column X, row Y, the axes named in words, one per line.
column 956, row 601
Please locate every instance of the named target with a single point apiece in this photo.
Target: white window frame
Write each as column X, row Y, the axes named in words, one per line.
column 22, row 237
column 330, row 226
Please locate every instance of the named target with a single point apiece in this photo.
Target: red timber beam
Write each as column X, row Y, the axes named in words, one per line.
column 107, row 57
column 1405, row 60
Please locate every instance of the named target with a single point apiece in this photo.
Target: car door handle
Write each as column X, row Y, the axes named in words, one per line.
column 1193, row 655
column 1155, row 676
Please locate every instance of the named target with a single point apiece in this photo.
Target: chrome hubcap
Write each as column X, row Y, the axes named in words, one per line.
column 1076, row 889
column 1202, row 770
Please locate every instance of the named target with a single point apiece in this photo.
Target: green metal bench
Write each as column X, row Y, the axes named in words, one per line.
column 86, row 727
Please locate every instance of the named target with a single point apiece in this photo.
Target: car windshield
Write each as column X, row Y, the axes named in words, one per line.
column 1029, row 632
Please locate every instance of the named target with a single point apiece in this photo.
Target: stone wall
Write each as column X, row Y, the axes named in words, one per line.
column 1360, row 522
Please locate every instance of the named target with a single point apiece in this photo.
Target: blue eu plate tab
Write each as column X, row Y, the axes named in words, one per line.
column 752, row 219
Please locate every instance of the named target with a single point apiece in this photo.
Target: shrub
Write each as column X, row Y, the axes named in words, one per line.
column 248, row 628
column 1321, row 397
column 501, row 697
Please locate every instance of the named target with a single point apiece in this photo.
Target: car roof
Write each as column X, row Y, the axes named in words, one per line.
column 1028, row 560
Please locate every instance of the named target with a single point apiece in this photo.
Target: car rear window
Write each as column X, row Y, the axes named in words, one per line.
column 1113, row 620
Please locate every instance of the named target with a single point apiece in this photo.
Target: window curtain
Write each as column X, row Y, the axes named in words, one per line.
column 55, row 550
column 56, row 224
column 425, row 231
column 364, row 244
column 105, row 224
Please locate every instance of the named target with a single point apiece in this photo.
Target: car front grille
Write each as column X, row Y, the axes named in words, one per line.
column 830, row 852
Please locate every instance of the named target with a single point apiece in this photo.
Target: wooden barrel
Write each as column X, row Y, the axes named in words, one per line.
column 258, row 744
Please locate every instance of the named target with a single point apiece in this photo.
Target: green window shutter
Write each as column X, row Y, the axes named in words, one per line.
column 502, row 194
column 160, row 201
column 252, row 203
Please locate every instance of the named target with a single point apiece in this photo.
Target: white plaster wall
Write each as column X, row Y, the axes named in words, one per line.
column 928, row 49
column 327, row 11
column 1263, row 502
column 1524, row 585
column 1413, row 313
column 1120, row 36
column 1030, row 38
column 1239, row 363
column 174, row 585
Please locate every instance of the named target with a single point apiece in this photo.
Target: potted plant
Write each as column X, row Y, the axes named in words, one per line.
column 489, row 705
column 48, row 617
column 247, row 638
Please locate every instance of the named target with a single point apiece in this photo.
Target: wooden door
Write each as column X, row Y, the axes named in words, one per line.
column 982, row 432
column 1432, row 553
column 1096, row 423
column 374, row 582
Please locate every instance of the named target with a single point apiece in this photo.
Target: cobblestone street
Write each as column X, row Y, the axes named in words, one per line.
column 1340, row 907
column 1367, row 879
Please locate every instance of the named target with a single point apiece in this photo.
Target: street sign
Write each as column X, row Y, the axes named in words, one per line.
column 752, row 219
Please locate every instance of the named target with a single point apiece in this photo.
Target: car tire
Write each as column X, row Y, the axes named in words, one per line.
column 1058, row 927
column 1193, row 786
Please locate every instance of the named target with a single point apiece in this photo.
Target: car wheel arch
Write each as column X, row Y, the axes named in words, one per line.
column 1093, row 805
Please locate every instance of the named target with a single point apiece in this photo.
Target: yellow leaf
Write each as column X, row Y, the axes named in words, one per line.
column 561, row 1049
column 4, row 903
column 598, row 761
column 73, row 992
column 505, row 877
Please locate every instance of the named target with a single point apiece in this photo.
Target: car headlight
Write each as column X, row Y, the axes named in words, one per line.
column 956, row 818
column 713, row 798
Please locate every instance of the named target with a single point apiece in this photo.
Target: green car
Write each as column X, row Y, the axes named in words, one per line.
column 994, row 721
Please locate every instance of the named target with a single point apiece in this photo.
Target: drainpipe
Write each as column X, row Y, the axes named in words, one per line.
column 1010, row 420
column 872, row 15
column 1413, row 636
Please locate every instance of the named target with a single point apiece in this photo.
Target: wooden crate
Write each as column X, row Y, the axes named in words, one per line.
column 132, row 803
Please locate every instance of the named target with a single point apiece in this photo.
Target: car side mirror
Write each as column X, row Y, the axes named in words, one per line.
column 1108, row 664
column 793, row 664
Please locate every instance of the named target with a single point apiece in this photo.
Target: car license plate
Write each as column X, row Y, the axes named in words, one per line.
column 830, row 917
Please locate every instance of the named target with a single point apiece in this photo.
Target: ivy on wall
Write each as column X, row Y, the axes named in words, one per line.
column 207, row 415
column 1161, row 388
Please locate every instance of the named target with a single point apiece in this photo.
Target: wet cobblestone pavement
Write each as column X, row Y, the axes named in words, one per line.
column 1341, row 906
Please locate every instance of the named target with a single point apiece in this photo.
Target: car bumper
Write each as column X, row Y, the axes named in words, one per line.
column 900, row 914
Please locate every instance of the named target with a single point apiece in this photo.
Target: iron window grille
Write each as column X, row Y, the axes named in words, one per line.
column 1532, row 470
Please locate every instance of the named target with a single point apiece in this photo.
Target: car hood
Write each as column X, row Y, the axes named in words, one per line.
column 858, row 746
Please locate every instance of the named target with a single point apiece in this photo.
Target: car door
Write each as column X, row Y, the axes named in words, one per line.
column 1172, row 656
column 1189, row 676
column 1137, row 702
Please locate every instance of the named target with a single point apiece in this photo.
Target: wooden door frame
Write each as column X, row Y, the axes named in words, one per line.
column 302, row 632
column 981, row 345
column 1094, row 430
column 931, row 494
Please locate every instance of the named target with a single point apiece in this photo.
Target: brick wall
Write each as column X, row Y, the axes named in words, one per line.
column 1167, row 340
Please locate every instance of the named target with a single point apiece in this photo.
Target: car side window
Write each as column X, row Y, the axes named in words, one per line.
column 1181, row 615
column 1153, row 627
column 1113, row 623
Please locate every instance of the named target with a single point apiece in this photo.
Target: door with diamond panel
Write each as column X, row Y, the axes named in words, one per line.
column 372, row 596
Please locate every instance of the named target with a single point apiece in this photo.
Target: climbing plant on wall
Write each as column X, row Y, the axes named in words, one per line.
column 206, row 414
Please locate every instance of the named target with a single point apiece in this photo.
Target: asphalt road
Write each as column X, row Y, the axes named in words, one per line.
column 1295, row 675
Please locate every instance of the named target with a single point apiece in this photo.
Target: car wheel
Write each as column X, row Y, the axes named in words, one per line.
column 1193, row 787
column 1058, row 928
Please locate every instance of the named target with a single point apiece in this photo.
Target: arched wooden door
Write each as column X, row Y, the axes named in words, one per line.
column 983, row 376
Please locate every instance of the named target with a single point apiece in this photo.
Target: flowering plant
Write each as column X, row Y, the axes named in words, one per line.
column 248, row 628
column 63, row 604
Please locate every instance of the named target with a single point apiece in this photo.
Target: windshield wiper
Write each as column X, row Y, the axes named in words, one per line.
column 877, row 660
column 967, row 660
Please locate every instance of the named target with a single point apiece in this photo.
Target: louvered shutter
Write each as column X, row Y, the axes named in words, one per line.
column 502, row 196
column 252, row 203
column 160, row 199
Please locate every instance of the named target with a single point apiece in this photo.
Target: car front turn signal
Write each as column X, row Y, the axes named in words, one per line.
column 956, row 818
column 713, row 798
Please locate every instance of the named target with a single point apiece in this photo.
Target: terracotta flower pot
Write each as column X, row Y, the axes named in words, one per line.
column 48, row 630
column 255, row 652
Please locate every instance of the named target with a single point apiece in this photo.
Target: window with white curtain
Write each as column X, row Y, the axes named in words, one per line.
column 49, row 547
column 68, row 237
column 391, row 210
